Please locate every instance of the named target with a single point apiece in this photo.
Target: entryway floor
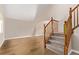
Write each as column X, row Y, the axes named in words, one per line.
column 25, row 46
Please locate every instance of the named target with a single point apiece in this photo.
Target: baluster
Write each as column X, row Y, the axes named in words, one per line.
column 52, row 24
column 74, row 18
column 44, row 36
column 77, row 15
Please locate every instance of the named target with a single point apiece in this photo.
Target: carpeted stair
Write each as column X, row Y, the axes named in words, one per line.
column 56, row 43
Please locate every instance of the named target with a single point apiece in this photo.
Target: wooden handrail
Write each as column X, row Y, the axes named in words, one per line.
column 50, row 21
column 75, row 27
column 45, row 27
column 75, row 8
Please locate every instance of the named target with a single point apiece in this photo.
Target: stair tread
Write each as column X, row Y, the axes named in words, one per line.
column 59, row 34
column 55, row 45
column 57, row 41
column 55, row 49
column 61, row 39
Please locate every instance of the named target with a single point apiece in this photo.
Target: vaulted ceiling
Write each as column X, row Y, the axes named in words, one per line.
column 21, row 11
column 25, row 11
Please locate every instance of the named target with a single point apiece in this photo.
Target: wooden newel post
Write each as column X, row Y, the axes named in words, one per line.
column 65, row 40
column 44, row 37
column 70, row 14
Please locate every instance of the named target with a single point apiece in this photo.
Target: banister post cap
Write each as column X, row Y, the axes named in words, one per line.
column 51, row 17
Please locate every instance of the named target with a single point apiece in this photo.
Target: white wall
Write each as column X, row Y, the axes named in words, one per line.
column 37, row 13
column 18, row 28
column 23, row 22
column 19, row 19
column 1, row 26
column 42, row 12
column 75, row 40
column 60, row 12
column 41, row 16
column 2, row 33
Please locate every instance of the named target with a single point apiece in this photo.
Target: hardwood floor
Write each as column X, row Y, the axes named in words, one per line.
column 25, row 46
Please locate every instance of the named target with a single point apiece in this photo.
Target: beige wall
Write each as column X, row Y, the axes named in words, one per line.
column 40, row 27
column 41, row 16
column 25, row 27
column 17, row 28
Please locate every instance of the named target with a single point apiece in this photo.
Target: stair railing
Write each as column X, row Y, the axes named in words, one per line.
column 48, row 30
column 69, row 28
column 75, row 16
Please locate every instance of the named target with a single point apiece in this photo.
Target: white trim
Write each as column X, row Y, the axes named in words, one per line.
column 22, row 37
column 75, row 51
column 19, row 37
column 72, row 50
column 38, row 35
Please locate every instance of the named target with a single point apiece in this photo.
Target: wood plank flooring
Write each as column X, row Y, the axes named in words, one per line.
column 25, row 46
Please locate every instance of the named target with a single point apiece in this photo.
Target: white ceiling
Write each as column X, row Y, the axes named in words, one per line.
column 21, row 11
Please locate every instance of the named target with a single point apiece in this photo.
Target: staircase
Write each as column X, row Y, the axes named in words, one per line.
column 59, row 42
column 56, row 43
column 55, row 40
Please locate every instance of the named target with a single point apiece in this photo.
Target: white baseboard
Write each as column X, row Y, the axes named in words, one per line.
column 38, row 35
column 22, row 37
column 72, row 50
column 19, row 37
column 75, row 51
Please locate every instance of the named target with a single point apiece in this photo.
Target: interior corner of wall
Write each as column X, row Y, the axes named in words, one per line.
column 2, row 43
